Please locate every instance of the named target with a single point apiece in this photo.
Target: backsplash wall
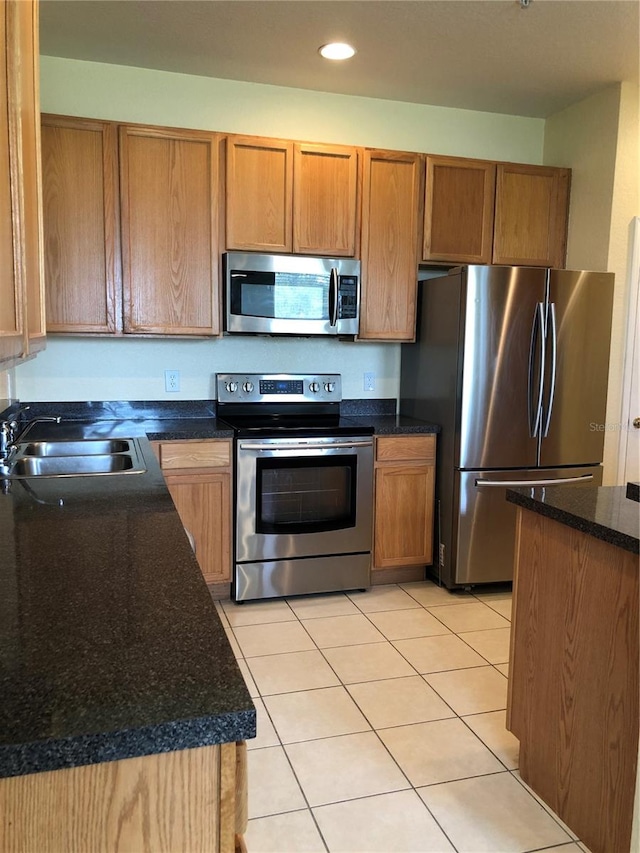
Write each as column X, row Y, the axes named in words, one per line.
column 133, row 369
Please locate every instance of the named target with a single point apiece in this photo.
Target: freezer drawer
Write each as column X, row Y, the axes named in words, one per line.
column 485, row 536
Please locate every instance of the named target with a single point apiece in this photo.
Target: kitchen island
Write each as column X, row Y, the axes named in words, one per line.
column 573, row 673
column 122, row 704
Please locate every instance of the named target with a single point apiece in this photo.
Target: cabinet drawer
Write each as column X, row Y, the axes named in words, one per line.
column 195, row 454
column 406, row 447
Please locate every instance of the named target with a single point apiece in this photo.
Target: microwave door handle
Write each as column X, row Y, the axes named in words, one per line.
column 333, row 297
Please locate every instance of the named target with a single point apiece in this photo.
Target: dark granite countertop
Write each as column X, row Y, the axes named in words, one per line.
column 110, row 644
column 395, row 424
column 196, row 419
column 604, row 512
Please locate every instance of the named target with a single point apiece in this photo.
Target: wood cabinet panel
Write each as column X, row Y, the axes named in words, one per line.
column 403, row 515
column 325, row 200
column 259, row 194
column 195, row 454
column 458, row 211
column 404, row 472
column 203, row 501
column 406, row 448
column 22, row 27
column 11, row 325
column 169, row 231
column 390, row 225
column 198, row 476
column 82, row 253
column 573, row 676
column 183, row 800
column 531, row 215
column 21, row 273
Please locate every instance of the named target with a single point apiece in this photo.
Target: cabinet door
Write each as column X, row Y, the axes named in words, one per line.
column 82, row 258
column 24, row 81
column 404, row 500
column 325, row 200
column 531, row 215
column 11, row 325
column 203, row 502
column 390, row 226
column 259, row 194
column 458, row 211
column 168, row 185
column 403, row 515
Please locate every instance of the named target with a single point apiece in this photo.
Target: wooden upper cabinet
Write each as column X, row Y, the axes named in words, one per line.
column 21, row 273
column 531, row 215
column 458, row 212
column 168, row 186
column 390, row 245
column 283, row 196
column 22, row 25
column 325, row 200
column 82, row 253
column 11, row 301
column 259, row 194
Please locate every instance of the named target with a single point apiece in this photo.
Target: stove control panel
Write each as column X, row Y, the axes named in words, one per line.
column 279, row 387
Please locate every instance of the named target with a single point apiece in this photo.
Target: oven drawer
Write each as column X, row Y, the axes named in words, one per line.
column 195, row 454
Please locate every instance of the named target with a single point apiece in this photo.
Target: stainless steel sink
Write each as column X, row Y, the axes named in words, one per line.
column 85, row 447
column 70, row 466
column 81, row 458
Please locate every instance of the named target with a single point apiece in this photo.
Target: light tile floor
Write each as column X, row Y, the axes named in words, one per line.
column 381, row 725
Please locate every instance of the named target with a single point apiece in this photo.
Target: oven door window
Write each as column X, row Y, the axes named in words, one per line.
column 280, row 296
column 305, row 495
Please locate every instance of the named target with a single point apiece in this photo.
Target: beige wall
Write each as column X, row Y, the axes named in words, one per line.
column 599, row 139
column 86, row 368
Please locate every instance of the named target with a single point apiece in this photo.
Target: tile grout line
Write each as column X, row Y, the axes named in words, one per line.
column 345, row 687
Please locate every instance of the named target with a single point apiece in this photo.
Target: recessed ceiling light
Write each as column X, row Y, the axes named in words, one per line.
column 337, row 50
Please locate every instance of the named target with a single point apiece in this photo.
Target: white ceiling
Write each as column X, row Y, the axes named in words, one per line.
column 489, row 55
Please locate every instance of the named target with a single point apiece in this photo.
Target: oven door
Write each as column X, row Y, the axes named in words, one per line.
column 303, row 497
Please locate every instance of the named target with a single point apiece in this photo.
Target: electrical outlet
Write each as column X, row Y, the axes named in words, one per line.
column 172, row 380
column 370, row 381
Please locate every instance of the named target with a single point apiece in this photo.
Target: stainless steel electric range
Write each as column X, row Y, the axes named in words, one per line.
column 303, row 486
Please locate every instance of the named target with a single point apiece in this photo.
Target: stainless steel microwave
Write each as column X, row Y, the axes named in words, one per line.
column 291, row 294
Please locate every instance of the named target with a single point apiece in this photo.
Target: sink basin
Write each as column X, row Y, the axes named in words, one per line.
column 72, row 466
column 86, row 447
column 82, row 458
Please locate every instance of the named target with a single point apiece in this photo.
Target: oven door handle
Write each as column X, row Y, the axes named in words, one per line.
column 340, row 445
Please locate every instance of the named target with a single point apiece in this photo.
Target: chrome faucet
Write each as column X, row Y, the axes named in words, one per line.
column 10, row 436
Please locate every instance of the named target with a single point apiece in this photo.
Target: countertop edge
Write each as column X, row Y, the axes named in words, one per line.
column 83, row 750
column 576, row 521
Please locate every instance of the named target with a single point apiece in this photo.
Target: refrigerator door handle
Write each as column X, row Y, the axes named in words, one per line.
column 511, row 484
column 538, row 334
column 554, row 364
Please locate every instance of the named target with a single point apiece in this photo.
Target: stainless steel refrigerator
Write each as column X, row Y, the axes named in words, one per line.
column 513, row 363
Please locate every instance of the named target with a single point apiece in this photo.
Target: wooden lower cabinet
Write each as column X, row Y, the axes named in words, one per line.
column 403, row 505
column 189, row 800
column 198, row 476
column 573, row 677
